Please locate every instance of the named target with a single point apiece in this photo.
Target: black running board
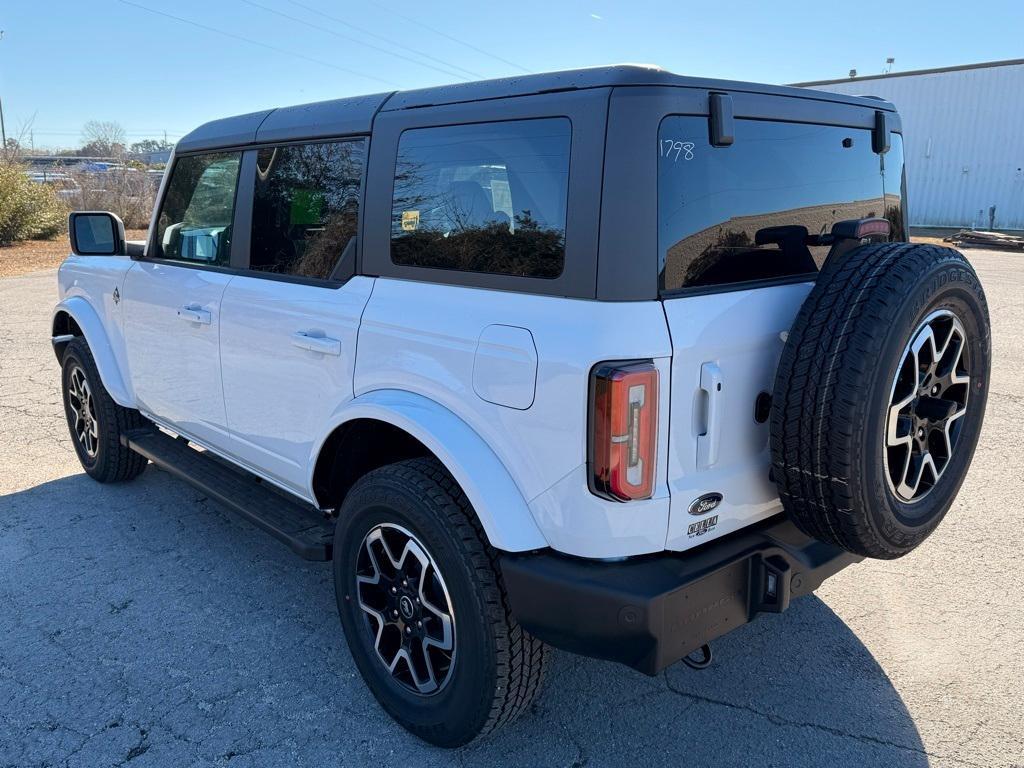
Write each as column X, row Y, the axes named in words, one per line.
column 306, row 531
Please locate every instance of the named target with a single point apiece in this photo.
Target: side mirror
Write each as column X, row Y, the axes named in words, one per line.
column 96, row 233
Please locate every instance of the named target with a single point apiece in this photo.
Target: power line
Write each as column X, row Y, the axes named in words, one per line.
column 419, row 23
column 350, row 39
column 153, row 132
column 382, row 38
column 274, row 48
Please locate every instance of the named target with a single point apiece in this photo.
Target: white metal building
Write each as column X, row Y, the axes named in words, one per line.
column 963, row 130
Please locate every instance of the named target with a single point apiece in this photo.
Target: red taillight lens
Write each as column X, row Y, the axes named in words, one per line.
column 623, row 429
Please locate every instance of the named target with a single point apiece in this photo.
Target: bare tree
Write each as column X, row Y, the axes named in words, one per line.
column 151, row 145
column 128, row 192
column 103, row 138
column 14, row 149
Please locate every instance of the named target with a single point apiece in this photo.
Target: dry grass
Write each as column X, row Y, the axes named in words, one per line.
column 37, row 255
column 929, row 240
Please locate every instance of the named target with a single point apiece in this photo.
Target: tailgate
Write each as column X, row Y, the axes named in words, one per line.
column 725, row 348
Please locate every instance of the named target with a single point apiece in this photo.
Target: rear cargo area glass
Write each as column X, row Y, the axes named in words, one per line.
column 717, row 206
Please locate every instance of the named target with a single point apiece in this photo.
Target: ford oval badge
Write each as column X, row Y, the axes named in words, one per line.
column 704, row 504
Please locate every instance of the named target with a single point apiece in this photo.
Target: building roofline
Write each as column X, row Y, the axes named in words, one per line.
column 909, row 73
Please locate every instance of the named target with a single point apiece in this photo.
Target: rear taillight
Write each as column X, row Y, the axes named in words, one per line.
column 623, row 429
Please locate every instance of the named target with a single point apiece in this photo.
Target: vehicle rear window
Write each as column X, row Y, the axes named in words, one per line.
column 740, row 213
column 305, row 207
column 488, row 197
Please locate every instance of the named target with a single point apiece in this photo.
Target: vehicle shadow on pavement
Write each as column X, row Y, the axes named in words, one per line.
column 143, row 622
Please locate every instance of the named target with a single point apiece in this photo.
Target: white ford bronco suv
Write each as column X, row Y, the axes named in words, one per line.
column 609, row 360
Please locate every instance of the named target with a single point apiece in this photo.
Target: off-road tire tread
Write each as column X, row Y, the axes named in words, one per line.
column 823, row 375
column 119, row 463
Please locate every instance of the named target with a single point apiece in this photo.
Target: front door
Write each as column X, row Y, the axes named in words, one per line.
column 290, row 320
column 172, row 300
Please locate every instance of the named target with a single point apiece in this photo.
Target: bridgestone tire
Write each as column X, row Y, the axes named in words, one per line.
column 836, row 384
column 111, row 461
column 498, row 668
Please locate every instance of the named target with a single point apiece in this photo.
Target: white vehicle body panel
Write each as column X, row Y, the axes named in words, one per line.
column 172, row 329
column 734, row 339
column 86, row 286
column 288, row 354
column 425, row 338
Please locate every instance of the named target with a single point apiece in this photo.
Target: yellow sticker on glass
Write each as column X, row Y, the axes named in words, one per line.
column 410, row 220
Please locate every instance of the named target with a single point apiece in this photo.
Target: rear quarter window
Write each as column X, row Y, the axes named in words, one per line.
column 720, row 208
column 488, row 197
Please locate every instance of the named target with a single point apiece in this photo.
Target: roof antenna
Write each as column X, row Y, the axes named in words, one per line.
column 888, row 64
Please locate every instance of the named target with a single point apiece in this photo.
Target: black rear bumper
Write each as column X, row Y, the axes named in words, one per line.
column 650, row 612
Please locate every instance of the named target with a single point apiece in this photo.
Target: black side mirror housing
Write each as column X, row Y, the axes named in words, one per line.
column 96, row 233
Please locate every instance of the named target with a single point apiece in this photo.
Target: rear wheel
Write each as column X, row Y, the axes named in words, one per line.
column 880, row 396
column 424, row 608
column 95, row 421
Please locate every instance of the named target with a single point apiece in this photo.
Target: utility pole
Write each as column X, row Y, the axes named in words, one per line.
column 3, row 130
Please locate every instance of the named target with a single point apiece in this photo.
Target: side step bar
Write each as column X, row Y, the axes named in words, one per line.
column 303, row 528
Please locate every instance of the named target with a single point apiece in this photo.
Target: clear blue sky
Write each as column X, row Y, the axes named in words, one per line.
column 64, row 62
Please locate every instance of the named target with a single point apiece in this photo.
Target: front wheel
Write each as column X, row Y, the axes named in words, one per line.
column 95, row 421
column 424, row 608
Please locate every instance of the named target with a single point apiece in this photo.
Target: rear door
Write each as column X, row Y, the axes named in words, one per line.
column 732, row 284
column 291, row 316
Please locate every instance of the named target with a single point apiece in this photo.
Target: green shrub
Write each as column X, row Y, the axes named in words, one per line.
column 27, row 210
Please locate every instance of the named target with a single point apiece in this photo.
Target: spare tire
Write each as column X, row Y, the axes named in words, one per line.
column 879, row 396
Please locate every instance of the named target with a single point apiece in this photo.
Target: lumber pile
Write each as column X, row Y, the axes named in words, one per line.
column 976, row 238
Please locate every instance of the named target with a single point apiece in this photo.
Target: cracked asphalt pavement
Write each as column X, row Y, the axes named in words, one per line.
column 143, row 624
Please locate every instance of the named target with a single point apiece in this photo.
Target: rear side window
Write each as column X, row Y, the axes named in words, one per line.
column 489, row 197
column 740, row 213
column 194, row 224
column 305, row 207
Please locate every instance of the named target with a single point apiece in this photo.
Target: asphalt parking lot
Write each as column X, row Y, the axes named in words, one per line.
column 142, row 624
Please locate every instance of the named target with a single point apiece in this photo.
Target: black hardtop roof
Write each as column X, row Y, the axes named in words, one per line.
column 355, row 114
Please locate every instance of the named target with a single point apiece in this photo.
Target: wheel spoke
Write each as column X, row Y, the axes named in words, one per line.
column 447, row 639
column 896, row 424
column 947, row 426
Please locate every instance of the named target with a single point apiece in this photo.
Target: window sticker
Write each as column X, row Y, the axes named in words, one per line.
column 410, row 221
